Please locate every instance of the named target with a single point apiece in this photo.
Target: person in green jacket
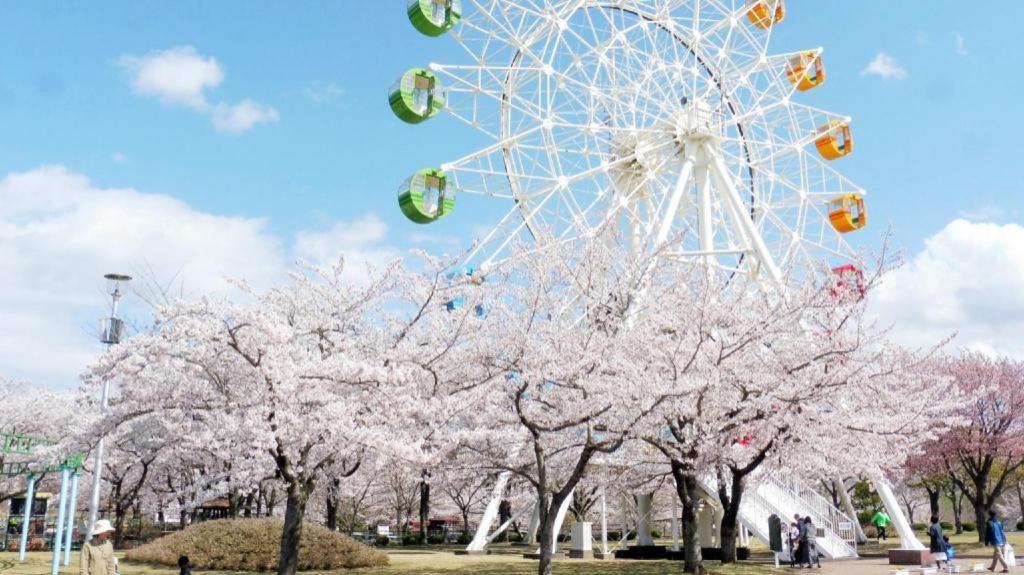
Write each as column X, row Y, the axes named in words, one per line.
column 881, row 521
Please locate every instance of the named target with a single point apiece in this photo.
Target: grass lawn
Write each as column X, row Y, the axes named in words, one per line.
column 505, row 561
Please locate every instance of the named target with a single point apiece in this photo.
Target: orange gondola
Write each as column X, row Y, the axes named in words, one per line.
column 834, row 140
column 848, row 213
column 766, row 13
column 806, row 70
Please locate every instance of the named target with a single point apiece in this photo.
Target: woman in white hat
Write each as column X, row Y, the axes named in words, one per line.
column 98, row 554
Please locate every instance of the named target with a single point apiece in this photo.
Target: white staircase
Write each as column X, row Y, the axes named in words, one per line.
column 836, row 534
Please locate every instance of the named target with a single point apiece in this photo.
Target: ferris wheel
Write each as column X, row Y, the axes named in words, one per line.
column 666, row 124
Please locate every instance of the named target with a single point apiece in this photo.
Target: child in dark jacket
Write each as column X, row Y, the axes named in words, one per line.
column 183, row 566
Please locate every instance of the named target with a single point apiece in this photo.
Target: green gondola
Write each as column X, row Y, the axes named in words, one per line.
column 434, row 17
column 426, row 197
column 416, row 96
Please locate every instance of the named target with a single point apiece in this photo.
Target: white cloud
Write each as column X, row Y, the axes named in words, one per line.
column 968, row 279
column 361, row 241
column 884, row 66
column 961, row 45
column 985, row 213
column 242, row 116
column 323, row 93
column 182, row 76
column 118, row 158
column 59, row 234
column 176, row 76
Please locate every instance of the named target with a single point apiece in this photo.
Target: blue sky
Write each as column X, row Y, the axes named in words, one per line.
column 938, row 144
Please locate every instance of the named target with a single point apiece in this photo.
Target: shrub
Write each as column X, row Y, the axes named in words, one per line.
column 254, row 545
column 382, row 541
column 970, row 526
column 435, row 539
column 871, row 532
column 465, row 539
column 410, row 539
column 946, row 525
column 655, row 534
column 919, row 527
column 515, row 537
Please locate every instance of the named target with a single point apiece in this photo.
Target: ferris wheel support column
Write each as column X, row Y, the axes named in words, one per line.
column 677, row 197
column 479, row 541
column 705, row 227
column 729, row 195
column 908, row 540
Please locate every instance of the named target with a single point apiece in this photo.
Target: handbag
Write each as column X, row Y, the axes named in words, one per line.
column 1008, row 556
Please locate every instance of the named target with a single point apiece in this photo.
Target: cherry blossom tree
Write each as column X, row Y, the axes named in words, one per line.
column 984, row 455
column 565, row 372
column 758, row 380
column 299, row 372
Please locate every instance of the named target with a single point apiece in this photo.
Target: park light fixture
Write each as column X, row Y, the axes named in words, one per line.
column 111, row 332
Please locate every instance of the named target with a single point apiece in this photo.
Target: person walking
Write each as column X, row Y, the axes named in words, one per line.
column 936, row 542
column 97, row 555
column 995, row 537
column 808, row 542
column 881, row 521
column 794, row 543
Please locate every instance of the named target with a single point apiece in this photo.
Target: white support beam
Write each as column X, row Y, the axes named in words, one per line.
column 705, row 224
column 907, row 537
column 669, row 215
column 479, row 542
column 727, row 189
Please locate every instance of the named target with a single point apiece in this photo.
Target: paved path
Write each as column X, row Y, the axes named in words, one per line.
column 877, row 567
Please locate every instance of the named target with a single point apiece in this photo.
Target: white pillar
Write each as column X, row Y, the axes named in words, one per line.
column 70, row 528
column 906, row 532
column 675, row 523
column 559, row 519
column 97, row 467
column 706, row 525
column 58, row 529
column 643, row 520
column 582, row 541
column 844, row 497
column 30, row 492
column 531, row 529
column 604, row 523
column 479, row 541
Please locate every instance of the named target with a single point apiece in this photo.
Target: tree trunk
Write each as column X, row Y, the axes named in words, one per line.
column 980, row 506
column 182, row 518
column 731, row 508
column 956, row 501
column 465, row 521
column 248, row 504
column 291, row 535
column 1020, row 499
column 332, row 513
column 933, row 500
column 548, row 511
column 424, row 506
column 686, row 489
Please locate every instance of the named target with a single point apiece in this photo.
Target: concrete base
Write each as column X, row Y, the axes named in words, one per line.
column 578, row 554
column 914, row 557
column 643, row 552
column 535, row 556
column 604, row 556
column 468, row 552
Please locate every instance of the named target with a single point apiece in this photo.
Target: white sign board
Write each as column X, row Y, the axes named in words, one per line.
column 384, row 530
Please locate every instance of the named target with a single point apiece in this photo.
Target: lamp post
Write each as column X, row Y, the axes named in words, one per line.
column 111, row 331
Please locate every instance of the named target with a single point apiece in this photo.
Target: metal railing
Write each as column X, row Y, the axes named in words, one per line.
column 836, row 531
